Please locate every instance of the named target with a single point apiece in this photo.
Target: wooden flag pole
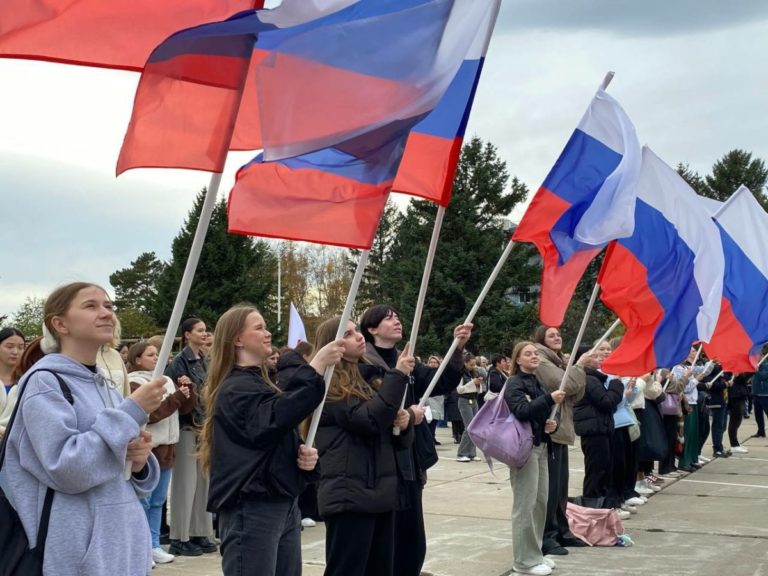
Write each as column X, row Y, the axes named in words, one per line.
column 362, row 262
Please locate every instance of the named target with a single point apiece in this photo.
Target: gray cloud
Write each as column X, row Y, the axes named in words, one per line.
column 630, row 17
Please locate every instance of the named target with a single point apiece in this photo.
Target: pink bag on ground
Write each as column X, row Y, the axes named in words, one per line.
column 595, row 526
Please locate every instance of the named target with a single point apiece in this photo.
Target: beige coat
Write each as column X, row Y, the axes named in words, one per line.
column 550, row 373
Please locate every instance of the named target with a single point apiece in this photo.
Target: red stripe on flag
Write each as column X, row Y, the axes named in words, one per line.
column 624, row 283
column 108, row 34
column 730, row 344
column 558, row 282
column 428, row 167
column 274, row 201
column 183, row 114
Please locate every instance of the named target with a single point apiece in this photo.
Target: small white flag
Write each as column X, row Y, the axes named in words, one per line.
column 296, row 332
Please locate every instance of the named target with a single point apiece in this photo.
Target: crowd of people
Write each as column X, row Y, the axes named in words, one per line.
column 222, row 432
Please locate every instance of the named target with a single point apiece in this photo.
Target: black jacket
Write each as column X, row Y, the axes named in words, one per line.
column 287, row 366
column 520, row 388
column 496, row 380
column 714, row 394
column 358, row 471
column 593, row 414
column 187, row 364
column 739, row 390
column 255, row 441
column 413, row 462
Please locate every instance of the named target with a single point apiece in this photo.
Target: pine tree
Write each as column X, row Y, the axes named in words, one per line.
column 136, row 286
column 232, row 269
column 738, row 167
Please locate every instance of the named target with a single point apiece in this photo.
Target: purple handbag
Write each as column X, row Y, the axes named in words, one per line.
column 669, row 406
column 500, row 435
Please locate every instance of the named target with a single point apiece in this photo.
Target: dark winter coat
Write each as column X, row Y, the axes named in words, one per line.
column 593, row 414
column 255, row 440
column 496, row 380
column 530, row 402
column 739, row 391
column 287, row 366
column 358, row 470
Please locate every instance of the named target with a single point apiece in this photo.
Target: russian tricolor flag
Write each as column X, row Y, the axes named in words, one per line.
column 325, row 72
column 586, row 201
column 742, row 328
column 665, row 281
column 434, row 145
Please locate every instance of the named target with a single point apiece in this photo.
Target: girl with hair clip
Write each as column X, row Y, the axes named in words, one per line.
column 250, row 446
column 358, row 490
column 191, row 525
column 73, row 434
column 11, row 350
column 164, row 427
column 529, row 401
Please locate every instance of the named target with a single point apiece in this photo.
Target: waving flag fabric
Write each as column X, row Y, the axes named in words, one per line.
column 665, row 281
column 328, row 197
column 434, row 145
column 104, row 33
column 586, row 201
column 742, row 328
column 296, row 331
column 321, row 78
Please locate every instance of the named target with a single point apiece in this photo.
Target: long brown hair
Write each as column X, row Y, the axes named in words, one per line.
column 32, row 353
column 135, row 352
column 222, row 361
column 539, row 337
column 347, row 382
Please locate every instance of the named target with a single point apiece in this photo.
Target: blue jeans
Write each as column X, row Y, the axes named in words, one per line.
column 719, row 419
column 153, row 506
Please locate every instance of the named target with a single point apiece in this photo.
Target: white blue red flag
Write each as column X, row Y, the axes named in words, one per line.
column 586, row 201
column 665, row 282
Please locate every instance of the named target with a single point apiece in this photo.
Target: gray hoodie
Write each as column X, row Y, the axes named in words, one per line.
column 97, row 524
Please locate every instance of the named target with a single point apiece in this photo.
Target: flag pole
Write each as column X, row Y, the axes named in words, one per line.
column 608, row 332
column 577, row 343
column 423, row 293
column 479, row 302
column 328, row 376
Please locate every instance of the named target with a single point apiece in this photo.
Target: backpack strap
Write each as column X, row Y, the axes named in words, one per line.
column 42, row 530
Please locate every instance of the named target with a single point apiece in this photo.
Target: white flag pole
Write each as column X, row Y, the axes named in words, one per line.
column 576, row 344
column 328, row 376
column 423, row 293
column 608, row 332
column 469, row 318
column 209, row 203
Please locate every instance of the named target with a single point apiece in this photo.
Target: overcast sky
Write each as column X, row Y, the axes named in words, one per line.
column 691, row 74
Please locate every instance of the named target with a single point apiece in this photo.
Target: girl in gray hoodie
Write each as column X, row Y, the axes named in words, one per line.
column 97, row 524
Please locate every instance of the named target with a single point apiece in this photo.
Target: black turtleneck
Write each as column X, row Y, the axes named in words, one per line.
column 389, row 355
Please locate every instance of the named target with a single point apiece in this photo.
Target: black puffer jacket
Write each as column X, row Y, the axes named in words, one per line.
column 287, row 366
column 255, row 441
column 593, row 414
column 496, row 380
column 521, row 387
column 358, row 470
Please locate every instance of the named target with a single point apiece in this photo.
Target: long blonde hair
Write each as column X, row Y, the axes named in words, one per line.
column 222, row 361
column 347, row 381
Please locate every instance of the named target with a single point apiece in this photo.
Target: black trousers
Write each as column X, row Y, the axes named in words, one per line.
column 704, row 426
column 556, row 526
column 410, row 537
column 359, row 544
column 670, row 428
column 736, row 415
column 597, row 471
column 623, row 465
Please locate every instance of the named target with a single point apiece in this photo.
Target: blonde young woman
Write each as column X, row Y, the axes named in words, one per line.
column 79, row 449
column 530, row 401
column 358, row 490
column 251, row 449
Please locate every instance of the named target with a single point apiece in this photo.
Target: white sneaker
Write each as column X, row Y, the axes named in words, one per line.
column 635, row 501
column 477, row 459
column 651, row 485
column 549, row 562
column 739, row 450
column 161, row 556
column 622, row 514
column 673, row 474
column 538, row 570
column 704, row 459
column 308, row 523
column 629, row 508
column 643, row 498
column 463, row 459
column 643, row 488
